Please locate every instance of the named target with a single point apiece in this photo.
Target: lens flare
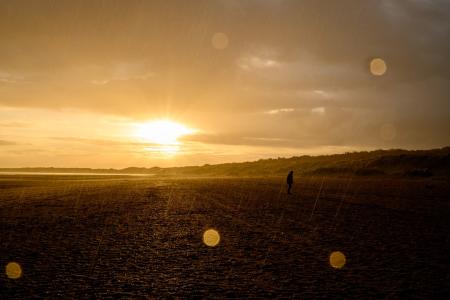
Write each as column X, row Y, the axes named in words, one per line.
column 13, row 270
column 219, row 40
column 211, row 237
column 378, row 67
column 337, row 259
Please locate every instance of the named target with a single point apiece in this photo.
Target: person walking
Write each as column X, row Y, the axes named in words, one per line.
column 290, row 181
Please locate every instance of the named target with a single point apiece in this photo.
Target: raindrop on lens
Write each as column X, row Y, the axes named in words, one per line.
column 378, row 67
column 337, row 259
column 219, row 40
column 211, row 237
column 13, row 270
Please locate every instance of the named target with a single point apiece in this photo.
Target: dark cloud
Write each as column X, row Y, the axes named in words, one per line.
column 146, row 58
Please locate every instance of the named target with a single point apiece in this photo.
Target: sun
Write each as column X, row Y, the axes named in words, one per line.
column 162, row 132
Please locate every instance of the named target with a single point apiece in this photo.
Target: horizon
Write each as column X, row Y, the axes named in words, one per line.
column 167, row 84
column 236, row 162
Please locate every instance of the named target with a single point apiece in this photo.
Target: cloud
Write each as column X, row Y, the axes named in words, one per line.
column 279, row 110
column 7, row 143
column 293, row 70
column 318, row 110
column 100, row 82
column 323, row 94
column 101, row 142
column 7, row 77
column 255, row 62
column 301, row 140
column 14, row 124
column 124, row 72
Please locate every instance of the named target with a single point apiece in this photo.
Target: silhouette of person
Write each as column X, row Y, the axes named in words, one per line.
column 290, row 181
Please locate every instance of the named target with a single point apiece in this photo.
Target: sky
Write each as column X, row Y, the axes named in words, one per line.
column 168, row 83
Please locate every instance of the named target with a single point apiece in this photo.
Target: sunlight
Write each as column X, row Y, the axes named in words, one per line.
column 163, row 132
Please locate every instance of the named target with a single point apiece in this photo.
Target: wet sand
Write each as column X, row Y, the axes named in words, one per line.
column 134, row 237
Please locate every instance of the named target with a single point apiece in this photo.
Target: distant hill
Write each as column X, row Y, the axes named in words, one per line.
column 397, row 162
column 129, row 170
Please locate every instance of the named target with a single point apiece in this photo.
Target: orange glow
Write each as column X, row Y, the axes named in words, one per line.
column 163, row 132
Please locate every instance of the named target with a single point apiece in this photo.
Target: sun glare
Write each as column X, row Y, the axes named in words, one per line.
column 162, row 132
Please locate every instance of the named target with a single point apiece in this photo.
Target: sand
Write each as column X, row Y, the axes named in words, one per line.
column 136, row 237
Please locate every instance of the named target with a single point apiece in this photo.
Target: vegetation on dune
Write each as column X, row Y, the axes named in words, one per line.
column 380, row 162
column 416, row 163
